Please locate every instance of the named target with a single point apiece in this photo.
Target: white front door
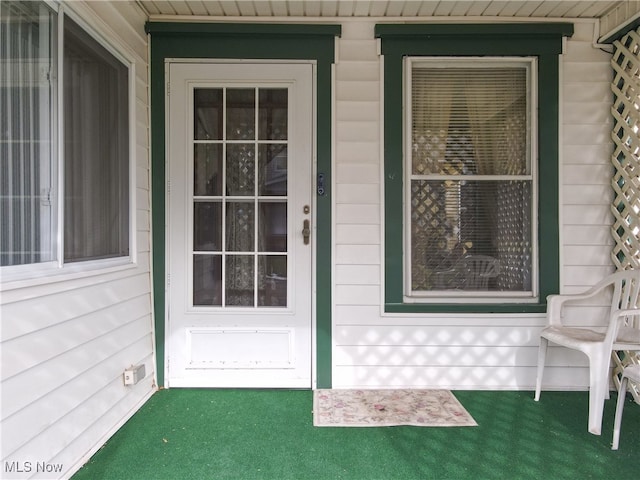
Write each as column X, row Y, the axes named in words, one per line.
column 240, row 142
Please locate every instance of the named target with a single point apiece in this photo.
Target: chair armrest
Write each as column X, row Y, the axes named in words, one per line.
column 616, row 328
column 626, row 312
column 555, row 303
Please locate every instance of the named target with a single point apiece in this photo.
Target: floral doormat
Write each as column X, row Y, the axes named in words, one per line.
column 380, row 408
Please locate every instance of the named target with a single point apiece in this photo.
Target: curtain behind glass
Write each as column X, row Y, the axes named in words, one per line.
column 96, row 149
column 26, row 113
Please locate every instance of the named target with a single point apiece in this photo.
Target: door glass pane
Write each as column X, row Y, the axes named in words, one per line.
column 272, row 275
column 239, row 280
column 207, row 280
column 207, row 113
column 240, row 227
column 251, row 269
column 207, row 234
column 207, row 169
column 272, row 235
column 241, row 169
column 241, row 109
column 272, row 114
column 272, row 159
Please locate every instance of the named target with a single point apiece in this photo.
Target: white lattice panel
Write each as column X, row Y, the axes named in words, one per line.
column 626, row 179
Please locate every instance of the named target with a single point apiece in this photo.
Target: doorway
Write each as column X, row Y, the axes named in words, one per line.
column 239, row 224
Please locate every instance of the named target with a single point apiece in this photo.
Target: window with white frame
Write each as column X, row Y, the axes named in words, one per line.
column 470, row 185
column 64, row 142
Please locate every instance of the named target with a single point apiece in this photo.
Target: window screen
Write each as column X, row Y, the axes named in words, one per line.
column 471, row 183
column 96, row 149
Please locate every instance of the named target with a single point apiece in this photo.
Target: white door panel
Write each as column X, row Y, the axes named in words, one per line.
column 240, row 139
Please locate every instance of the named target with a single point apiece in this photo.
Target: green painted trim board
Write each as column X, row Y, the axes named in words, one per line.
column 543, row 41
column 245, row 41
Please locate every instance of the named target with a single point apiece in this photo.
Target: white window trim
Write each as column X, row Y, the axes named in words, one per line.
column 19, row 276
column 482, row 297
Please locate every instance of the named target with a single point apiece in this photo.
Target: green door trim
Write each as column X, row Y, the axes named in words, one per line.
column 244, row 41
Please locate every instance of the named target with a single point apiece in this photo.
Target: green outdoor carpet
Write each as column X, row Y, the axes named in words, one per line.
column 269, row 434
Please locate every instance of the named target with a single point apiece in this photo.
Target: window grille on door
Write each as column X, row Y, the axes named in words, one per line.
column 240, row 194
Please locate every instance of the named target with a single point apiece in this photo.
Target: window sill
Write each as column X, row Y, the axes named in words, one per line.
column 465, row 307
column 470, row 297
column 48, row 273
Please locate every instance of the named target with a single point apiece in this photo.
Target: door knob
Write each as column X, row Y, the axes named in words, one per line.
column 306, row 232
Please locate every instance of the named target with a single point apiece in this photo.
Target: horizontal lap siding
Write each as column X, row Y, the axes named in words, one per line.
column 586, row 169
column 459, row 378
column 585, row 193
column 65, row 343
column 373, row 349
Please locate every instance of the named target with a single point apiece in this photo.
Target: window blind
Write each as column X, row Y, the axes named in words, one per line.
column 476, row 116
column 470, row 181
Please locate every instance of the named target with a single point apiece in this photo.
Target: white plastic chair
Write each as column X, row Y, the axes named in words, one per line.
column 622, row 333
column 471, row 272
column 478, row 270
column 631, row 373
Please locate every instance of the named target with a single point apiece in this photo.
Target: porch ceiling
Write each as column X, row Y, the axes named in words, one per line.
column 382, row 8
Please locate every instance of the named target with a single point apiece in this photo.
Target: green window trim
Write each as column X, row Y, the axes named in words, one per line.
column 541, row 40
column 256, row 41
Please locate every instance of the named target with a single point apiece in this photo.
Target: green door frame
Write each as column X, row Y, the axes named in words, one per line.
column 256, row 41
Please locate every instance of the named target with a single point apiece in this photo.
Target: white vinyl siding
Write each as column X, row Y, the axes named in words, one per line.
column 586, row 172
column 66, row 339
column 464, row 351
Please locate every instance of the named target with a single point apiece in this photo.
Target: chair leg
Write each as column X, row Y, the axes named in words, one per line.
column 622, row 393
column 597, row 392
column 542, row 356
column 607, row 393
